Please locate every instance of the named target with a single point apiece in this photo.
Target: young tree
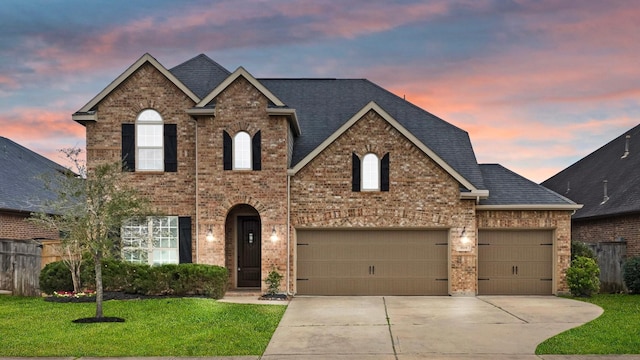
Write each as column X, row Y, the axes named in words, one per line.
column 90, row 208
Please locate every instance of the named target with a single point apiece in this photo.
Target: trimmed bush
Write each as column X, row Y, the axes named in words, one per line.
column 581, row 249
column 631, row 274
column 55, row 277
column 168, row 279
column 583, row 277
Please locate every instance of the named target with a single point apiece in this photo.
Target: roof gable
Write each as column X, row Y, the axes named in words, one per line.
column 583, row 182
column 230, row 79
column 372, row 106
column 21, row 171
column 81, row 115
column 200, row 74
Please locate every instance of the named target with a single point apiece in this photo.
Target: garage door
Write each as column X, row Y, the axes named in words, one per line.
column 515, row 262
column 372, row 262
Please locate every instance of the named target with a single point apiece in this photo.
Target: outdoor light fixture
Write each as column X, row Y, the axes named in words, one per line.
column 465, row 238
column 274, row 235
column 465, row 242
column 209, row 235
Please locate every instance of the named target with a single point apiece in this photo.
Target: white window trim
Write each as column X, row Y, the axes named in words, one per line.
column 234, row 161
column 364, row 174
column 142, row 120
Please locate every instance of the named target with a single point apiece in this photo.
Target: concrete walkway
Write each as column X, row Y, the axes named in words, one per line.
column 484, row 327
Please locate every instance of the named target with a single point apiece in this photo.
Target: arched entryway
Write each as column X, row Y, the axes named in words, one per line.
column 243, row 247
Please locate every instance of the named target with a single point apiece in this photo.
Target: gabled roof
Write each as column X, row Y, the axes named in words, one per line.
column 200, row 74
column 22, row 188
column 372, row 106
column 87, row 113
column 582, row 182
column 240, row 72
column 511, row 191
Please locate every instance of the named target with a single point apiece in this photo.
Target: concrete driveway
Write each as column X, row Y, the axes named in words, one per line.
column 390, row 327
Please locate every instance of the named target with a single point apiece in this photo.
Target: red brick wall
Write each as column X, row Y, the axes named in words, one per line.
column 610, row 229
column 421, row 194
column 15, row 226
column 559, row 221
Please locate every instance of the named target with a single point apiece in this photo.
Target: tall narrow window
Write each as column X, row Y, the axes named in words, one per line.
column 370, row 172
column 149, row 141
column 242, row 151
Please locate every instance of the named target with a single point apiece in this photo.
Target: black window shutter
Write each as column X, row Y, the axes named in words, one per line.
column 227, row 150
column 184, row 236
column 355, row 172
column 128, row 147
column 384, row 173
column 255, row 152
column 170, row 148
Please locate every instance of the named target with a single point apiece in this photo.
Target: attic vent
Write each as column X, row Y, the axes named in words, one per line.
column 626, row 147
column 606, row 198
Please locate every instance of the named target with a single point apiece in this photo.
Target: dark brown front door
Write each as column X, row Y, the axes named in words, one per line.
column 249, row 251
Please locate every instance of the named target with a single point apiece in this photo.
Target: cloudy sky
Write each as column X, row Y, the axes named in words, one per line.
column 537, row 84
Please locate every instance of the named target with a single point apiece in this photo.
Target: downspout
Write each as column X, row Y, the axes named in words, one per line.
column 197, row 212
column 288, row 234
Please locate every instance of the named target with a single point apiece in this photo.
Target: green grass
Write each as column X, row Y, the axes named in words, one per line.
column 616, row 331
column 157, row 327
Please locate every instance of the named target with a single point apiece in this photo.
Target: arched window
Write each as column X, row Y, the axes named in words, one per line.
column 370, row 172
column 242, row 151
column 149, row 141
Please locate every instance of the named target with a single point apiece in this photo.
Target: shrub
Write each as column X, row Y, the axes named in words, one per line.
column 581, row 249
column 631, row 274
column 273, row 282
column 583, row 277
column 55, row 277
column 168, row 279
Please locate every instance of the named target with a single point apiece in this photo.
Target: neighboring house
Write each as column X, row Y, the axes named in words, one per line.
column 24, row 247
column 23, row 191
column 607, row 182
column 338, row 184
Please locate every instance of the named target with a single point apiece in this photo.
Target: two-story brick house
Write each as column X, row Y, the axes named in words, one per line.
column 338, row 184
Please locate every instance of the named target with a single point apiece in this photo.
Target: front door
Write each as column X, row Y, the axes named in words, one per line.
column 249, row 251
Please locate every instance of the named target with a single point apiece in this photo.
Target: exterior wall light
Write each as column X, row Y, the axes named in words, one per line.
column 209, row 235
column 465, row 242
column 274, row 235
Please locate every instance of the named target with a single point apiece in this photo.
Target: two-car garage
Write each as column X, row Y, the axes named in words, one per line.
column 416, row 262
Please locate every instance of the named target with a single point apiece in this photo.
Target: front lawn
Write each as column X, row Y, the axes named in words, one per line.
column 155, row 327
column 616, row 331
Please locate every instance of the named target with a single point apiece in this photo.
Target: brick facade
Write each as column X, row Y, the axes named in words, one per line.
column 421, row 193
column 559, row 221
column 625, row 227
column 15, row 226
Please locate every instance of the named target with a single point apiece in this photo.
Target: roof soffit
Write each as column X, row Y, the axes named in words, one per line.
column 125, row 75
column 412, row 138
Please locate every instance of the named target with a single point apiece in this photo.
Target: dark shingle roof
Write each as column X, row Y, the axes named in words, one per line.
column 508, row 188
column 21, row 185
column 584, row 179
column 200, row 74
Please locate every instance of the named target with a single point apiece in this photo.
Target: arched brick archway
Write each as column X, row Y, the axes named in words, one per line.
column 243, row 246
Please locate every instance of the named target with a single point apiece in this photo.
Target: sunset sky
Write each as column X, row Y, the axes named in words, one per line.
column 537, row 84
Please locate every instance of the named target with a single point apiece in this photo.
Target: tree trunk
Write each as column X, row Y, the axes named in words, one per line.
column 75, row 277
column 98, row 267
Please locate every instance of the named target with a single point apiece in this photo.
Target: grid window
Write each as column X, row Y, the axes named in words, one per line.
column 370, row 172
column 150, row 141
column 153, row 240
column 242, row 151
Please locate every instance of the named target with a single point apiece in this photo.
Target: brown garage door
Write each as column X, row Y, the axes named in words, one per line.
column 372, row 262
column 515, row 262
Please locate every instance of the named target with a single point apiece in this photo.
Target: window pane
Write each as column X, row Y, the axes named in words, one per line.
column 150, row 159
column 149, row 115
column 370, row 172
column 151, row 241
column 149, row 135
column 242, row 151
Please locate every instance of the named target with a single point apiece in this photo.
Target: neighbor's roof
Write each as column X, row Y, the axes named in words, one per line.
column 510, row 190
column 22, row 187
column 582, row 182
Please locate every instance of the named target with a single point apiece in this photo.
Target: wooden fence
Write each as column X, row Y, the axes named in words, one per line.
column 611, row 256
column 20, row 263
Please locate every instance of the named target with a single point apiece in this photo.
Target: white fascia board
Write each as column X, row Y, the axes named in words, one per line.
column 291, row 113
column 201, row 111
column 80, row 117
column 474, row 194
column 530, row 207
column 231, row 78
column 120, row 79
column 375, row 107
